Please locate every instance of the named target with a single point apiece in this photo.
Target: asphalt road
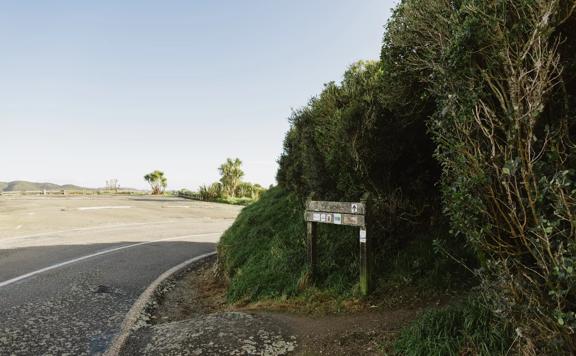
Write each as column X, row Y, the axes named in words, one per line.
column 71, row 267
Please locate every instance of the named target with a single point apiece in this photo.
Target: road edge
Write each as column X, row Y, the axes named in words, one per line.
column 138, row 307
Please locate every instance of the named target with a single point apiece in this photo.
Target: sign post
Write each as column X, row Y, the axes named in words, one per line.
column 339, row 213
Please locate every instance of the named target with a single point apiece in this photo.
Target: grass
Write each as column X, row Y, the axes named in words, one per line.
column 224, row 199
column 465, row 328
column 264, row 256
column 263, row 253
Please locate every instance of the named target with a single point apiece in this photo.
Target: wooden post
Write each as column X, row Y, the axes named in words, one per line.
column 312, row 249
column 365, row 256
column 311, row 240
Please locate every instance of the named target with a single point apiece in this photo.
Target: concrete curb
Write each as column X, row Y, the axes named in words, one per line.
column 138, row 307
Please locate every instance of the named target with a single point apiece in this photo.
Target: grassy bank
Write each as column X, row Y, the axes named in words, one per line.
column 263, row 255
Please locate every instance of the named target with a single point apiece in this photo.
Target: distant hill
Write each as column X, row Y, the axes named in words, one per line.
column 21, row 185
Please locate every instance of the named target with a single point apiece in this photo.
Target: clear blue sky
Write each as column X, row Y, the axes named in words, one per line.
column 92, row 90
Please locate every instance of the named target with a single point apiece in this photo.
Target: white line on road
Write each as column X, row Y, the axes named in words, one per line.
column 89, row 228
column 105, row 207
column 104, row 252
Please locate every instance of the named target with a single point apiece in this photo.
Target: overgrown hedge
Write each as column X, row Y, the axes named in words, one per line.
column 502, row 76
column 355, row 138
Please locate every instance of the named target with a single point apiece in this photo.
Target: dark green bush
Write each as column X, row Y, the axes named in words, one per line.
column 502, row 75
column 352, row 139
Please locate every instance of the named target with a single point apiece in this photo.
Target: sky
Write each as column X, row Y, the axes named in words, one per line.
column 94, row 90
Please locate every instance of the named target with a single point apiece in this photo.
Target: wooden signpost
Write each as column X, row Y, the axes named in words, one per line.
column 338, row 213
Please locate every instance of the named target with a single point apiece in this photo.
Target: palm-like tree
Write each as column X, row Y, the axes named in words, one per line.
column 157, row 181
column 232, row 174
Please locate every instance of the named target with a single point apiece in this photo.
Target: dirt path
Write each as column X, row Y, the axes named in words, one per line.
column 190, row 316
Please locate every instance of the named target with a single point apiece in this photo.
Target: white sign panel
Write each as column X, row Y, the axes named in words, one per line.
column 338, row 219
column 362, row 235
column 354, row 208
column 316, row 217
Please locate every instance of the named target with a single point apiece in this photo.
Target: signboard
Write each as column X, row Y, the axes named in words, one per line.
column 336, row 207
column 338, row 213
column 335, row 218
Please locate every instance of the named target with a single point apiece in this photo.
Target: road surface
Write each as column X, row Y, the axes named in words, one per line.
column 71, row 267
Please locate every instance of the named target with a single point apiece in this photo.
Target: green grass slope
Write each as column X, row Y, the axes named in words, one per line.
column 264, row 252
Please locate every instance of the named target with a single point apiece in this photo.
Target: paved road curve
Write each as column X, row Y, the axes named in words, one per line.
column 70, row 268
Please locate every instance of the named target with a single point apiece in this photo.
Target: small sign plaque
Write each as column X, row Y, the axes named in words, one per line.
column 338, row 219
column 316, row 217
column 362, row 235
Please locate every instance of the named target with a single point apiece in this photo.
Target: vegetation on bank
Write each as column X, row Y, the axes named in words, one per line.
column 230, row 189
column 463, row 134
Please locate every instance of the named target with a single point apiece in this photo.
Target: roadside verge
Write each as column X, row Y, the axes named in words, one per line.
column 139, row 306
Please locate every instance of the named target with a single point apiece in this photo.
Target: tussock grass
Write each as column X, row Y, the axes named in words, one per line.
column 466, row 328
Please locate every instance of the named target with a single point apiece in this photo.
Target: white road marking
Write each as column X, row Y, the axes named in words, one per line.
column 105, row 207
column 18, row 227
column 104, row 252
column 89, row 228
column 177, row 206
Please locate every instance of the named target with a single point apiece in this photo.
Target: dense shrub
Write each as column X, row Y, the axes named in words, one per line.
column 210, row 192
column 350, row 140
column 502, row 74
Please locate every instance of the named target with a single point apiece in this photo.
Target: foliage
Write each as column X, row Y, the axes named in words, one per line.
column 249, row 191
column 502, row 75
column 350, row 140
column 231, row 189
column 157, row 181
column 263, row 253
column 211, row 192
column 466, row 328
column 231, row 176
column 466, row 124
